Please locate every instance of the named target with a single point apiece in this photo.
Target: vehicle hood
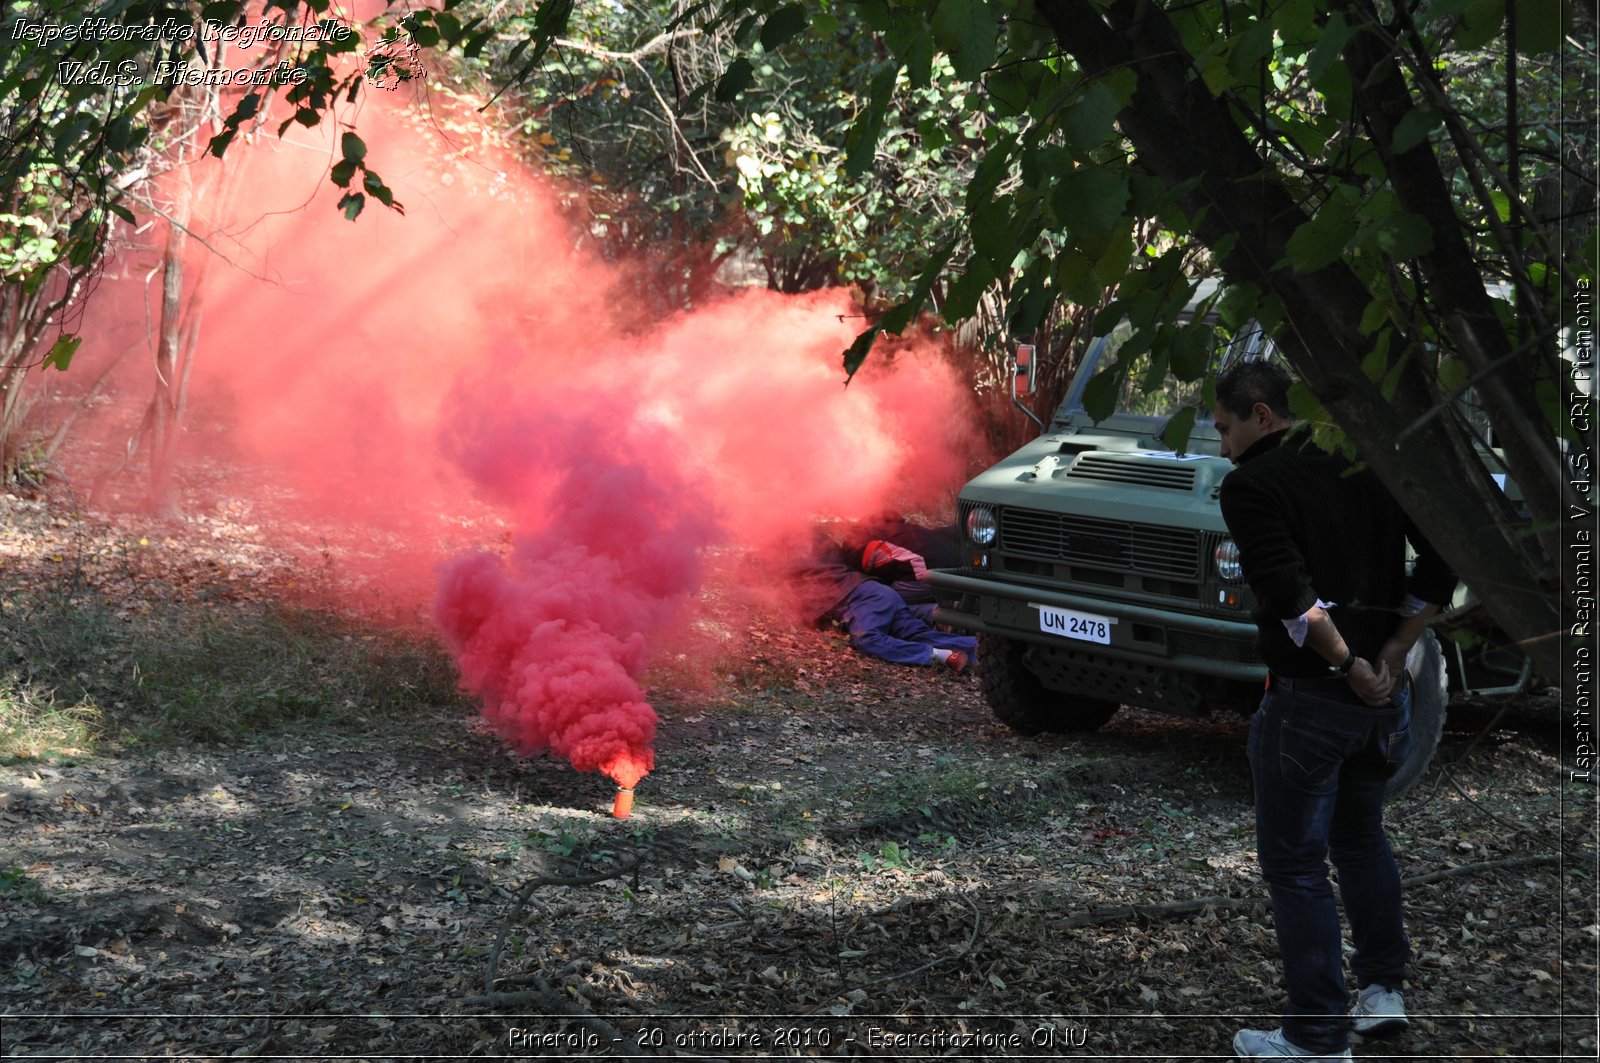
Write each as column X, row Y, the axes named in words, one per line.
column 1106, row 475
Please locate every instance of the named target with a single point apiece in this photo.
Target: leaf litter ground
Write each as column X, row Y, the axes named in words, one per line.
column 833, row 857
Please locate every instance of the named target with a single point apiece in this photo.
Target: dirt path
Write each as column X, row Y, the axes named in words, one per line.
column 851, row 859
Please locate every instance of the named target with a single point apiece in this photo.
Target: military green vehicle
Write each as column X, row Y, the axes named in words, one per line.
column 1097, row 571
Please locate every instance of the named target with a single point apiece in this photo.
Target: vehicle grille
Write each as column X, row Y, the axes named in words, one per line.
column 1195, row 644
column 1146, row 473
column 1141, row 548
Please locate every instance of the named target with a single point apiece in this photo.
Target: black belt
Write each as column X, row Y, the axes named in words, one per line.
column 1333, row 688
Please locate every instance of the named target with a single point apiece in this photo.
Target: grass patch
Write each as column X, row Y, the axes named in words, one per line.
column 36, row 725
column 945, row 780
column 15, row 885
column 77, row 675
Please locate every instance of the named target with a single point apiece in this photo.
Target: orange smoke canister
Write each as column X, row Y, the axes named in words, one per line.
column 622, row 806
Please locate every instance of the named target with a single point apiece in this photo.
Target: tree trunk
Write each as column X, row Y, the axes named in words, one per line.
column 1507, row 386
column 1183, row 134
column 181, row 318
column 164, row 418
column 26, row 317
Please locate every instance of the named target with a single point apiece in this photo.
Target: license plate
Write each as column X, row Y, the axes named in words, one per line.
column 1069, row 623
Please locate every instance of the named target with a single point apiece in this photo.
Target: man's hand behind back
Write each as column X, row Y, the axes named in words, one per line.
column 1373, row 684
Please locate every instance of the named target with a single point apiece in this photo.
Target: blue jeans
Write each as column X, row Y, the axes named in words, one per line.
column 1320, row 765
column 882, row 625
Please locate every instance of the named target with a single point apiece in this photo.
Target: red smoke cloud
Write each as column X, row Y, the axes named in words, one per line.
column 553, row 639
column 401, row 374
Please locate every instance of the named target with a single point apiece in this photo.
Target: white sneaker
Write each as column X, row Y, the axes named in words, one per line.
column 1379, row 1012
column 1271, row 1044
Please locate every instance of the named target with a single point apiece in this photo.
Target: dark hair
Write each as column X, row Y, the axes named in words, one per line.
column 1243, row 384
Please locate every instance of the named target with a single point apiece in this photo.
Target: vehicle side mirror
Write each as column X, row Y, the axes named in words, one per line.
column 1022, row 381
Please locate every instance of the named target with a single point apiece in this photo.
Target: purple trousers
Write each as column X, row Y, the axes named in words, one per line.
column 882, row 625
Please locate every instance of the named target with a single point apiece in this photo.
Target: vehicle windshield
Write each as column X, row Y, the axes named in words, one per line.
column 1140, row 394
column 1144, row 401
column 1162, row 400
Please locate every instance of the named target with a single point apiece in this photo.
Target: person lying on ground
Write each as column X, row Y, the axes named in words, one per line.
column 879, row 621
column 900, row 552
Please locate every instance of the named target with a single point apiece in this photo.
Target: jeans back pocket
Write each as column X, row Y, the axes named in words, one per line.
column 1397, row 743
column 1310, row 752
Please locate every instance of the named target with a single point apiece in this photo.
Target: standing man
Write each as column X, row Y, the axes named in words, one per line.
column 1324, row 551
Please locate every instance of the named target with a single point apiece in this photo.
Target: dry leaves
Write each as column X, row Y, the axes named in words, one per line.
column 842, row 843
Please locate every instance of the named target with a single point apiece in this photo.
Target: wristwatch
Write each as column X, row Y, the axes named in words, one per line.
column 1343, row 667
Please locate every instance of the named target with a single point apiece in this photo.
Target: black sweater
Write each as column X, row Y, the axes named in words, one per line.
column 1309, row 527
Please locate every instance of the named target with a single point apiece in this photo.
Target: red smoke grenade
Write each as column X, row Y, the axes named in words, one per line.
column 553, row 638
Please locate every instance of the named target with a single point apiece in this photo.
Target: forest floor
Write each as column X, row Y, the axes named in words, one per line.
column 832, row 857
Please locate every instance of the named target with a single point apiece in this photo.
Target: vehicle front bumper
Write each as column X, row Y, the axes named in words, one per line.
column 1202, row 645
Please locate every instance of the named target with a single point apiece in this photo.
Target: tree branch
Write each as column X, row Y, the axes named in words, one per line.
column 656, row 44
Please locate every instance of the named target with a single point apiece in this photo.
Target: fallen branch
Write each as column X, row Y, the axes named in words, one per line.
column 1515, row 828
column 1484, row 865
column 544, row 998
column 1123, row 912
column 977, row 922
column 526, row 895
column 1167, row 909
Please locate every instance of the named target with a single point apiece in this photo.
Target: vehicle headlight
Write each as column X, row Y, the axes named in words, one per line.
column 981, row 525
column 1227, row 559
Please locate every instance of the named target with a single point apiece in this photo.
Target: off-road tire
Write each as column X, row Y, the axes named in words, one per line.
column 1020, row 701
column 1429, row 699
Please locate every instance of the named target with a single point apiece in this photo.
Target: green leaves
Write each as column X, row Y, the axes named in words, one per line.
column 61, row 352
column 1481, row 23
column 1541, row 25
column 861, row 141
column 378, row 190
column 965, row 292
column 70, row 133
column 734, row 80
column 1100, row 394
column 895, row 321
column 1030, row 302
column 1189, row 352
column 1011, row 91
column 1090, row 118
column 1090, row 200
column 1336, row 33
column 219, row 143
column 1400, row 236
column 1321, row 241
column 350, row 205
column 967, row 32
column 549, row 22
column 992, row 238
column 1175, row 433
column 911, row 42
column 782, row 26
column 354, row 154
column 1378, row 227
column 1249, row 49
column 1415, row 128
